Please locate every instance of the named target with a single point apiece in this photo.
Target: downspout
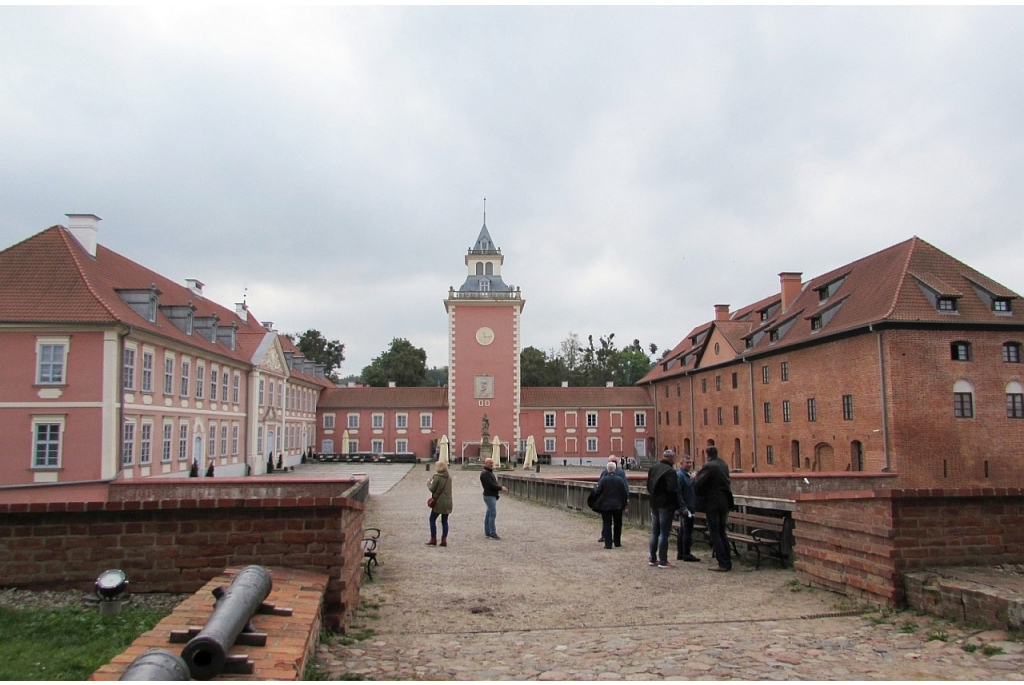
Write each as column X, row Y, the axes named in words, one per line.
column 885, row 401
column 753, row 419
column 693, row 420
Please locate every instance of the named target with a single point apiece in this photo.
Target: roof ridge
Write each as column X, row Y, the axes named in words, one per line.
column 912, row 243
column 65, row 236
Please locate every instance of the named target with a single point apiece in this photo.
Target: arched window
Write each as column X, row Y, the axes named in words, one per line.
column 1014, row 400
column 479, row 268
column 489, row 269
column 963, row 399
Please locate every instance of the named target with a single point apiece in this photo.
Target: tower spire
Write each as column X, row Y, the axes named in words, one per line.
column 485, row 211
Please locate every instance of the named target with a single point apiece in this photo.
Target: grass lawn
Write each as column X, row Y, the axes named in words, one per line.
column 69, row 643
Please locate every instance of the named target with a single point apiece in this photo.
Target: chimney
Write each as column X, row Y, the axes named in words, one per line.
column 565, row 384
column 269, row 325
column 242, row 310
column 721, row 312
column 85, row 228
column 195, row 285
column 392, row 384
column 791, row 286
column 609, row 384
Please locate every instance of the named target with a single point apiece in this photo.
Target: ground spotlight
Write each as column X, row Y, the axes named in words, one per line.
column 111, row 584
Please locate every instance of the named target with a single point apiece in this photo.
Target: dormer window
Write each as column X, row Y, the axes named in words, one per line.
column 828, row 290
column 764, row 315
column 1001, row 305
column 815, row 323
column 947, row 304
column 485, row 285
column 773, row 335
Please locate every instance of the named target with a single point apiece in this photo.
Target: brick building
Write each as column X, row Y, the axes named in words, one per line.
column 905, row 361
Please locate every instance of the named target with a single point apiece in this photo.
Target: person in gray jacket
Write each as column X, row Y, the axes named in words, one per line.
column 612, row 499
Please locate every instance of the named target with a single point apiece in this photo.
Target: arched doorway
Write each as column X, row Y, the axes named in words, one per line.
column 824, row 458
column 856, row 456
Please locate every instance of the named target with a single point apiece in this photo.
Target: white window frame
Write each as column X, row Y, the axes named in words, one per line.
column 262, row 387
column 549, row 445
column 426, row 420
column 214, row 378
column 591, row 419
column 550, row 419
column 401, row 445
column 56, row 370
column 128, row 443
column 183, row 441
column 148, row 359
column 223, row 384
column 186, row 373
column 401, row 420
column 640, row 419
column 234, row 439
column 591, row 444
column 200, row 379
column 223, row 439
column 168, row 441
column 168, row 374
column 50, row 444
column 128, row 367
column 328, row 421
column 376, row 421
column 146, row 443
column 235, row 388
column 353, row 422
column 377, row 446
column 211, row 440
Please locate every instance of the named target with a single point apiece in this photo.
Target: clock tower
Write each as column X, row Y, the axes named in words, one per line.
column 483, row 353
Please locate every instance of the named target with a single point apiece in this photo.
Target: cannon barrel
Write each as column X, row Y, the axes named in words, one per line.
column 206, row 653
column 156, row 665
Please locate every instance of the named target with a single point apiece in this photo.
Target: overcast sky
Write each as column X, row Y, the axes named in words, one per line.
column 640, row 165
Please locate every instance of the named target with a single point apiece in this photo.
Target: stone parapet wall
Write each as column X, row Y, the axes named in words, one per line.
column 788, row 486
column 177, row 545
column 863, row 543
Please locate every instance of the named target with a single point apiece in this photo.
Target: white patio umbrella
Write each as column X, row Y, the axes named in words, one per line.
column 531, row 453
column 443, row 449
column 496, row 453
column 344, row 442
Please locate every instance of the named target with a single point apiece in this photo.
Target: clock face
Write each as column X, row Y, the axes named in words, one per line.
column 485, row 336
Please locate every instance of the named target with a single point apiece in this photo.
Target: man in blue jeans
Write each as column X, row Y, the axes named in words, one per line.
column 663, row 488
column 491, row 493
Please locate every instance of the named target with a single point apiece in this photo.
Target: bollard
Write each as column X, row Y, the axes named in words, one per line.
column 537, row 465
column 206, row 653
column 156, row 664
column 428, row 466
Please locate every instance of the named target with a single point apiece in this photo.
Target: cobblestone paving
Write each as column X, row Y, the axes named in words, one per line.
column 548, row 602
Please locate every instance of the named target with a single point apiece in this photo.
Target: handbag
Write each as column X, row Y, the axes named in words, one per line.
column 430, row 502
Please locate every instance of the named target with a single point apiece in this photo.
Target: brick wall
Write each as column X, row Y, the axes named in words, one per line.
column 862, row 543
column 178, row 544
column 788, row 486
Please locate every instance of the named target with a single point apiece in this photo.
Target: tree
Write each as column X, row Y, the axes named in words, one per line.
column 592, row 365
column 314, row 346
column 401, row 363
column 438, row 375
column 536, row 369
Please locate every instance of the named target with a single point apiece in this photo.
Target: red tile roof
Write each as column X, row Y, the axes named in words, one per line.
column 892, row 286
column 384, row 398
column 592, row 398
column 50, row 278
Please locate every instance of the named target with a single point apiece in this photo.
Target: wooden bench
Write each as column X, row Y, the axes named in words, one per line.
column 371, row 539
column 755, row 530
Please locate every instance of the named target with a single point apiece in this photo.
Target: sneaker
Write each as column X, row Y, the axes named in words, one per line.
column 652, row 562
column 666, row 565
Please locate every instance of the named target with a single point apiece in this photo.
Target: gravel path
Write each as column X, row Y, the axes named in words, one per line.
column 548, row 602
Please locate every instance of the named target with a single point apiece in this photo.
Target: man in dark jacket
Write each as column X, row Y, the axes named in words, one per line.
column 617, row 472
column 663, row 488
column 714, row 496
column 687, row 507
column 492, row 490
column 612, row 499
